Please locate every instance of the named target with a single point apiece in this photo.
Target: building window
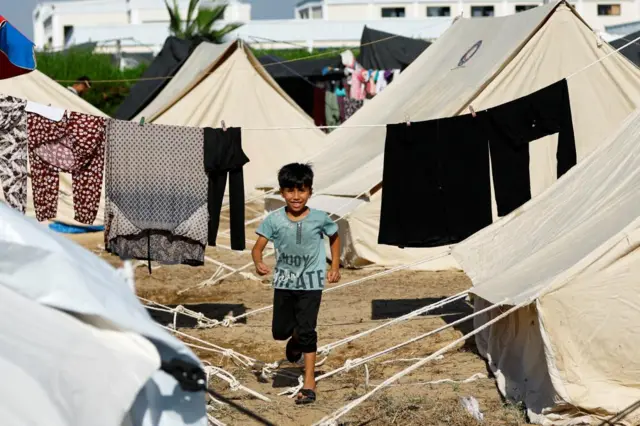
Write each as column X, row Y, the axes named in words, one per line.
column 608, row 10
column 477, row 11
column 304, row 14
column 433, row 11
column 68, row 32
column 392, row 12
column 523, row 7
column 316, row 13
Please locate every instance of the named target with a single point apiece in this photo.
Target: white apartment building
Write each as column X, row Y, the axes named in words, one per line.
column 143, row 22
column 598, row 13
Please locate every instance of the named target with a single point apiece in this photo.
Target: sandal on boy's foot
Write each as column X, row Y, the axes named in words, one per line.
column 292, row 356
column 308, row 397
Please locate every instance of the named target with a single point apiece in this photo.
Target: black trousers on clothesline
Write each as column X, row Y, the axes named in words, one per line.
column 223, row 155
column 217, row 186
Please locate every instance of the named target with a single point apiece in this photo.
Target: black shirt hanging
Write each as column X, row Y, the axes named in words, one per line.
column 510, row 128
column 436, row 186
column 223, row 155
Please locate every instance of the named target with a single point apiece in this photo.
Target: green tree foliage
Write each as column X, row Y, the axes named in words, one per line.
column 73, row 63
column 199, row 23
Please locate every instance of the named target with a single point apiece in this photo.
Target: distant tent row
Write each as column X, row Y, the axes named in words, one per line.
column 233, row 87
column 501, row 52
column 380, row 50
column 166, row 64
column 632, row 52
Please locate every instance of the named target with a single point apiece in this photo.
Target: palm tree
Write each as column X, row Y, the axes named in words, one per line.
column 201, row 25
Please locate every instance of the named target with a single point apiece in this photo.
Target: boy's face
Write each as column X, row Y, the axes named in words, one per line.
column 296, row 198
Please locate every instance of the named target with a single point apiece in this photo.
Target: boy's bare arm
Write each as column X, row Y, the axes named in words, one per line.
column 256, row 254
column 333, row 276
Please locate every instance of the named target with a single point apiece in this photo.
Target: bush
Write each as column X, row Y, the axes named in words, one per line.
column 73, row 63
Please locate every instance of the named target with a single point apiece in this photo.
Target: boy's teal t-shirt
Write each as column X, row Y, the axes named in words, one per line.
column 300, row 253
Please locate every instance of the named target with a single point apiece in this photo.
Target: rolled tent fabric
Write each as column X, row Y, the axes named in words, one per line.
column 156, row 202
column 52, row 272
column 72, row 372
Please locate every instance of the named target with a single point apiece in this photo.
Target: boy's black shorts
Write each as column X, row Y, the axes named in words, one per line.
column 297, row 310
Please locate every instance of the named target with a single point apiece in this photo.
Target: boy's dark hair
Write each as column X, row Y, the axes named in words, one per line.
column 296, row 175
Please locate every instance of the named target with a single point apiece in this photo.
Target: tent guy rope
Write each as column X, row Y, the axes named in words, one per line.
column 350, row 364
column 331, row 419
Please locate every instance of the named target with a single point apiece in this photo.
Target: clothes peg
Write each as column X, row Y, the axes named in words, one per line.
column 224, row 126
column 141, row 121
column 473, row 112
column 408, row 120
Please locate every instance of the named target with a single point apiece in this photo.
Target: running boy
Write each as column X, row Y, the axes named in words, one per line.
column 297, row 232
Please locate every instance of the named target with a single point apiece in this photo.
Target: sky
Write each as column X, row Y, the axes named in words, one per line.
column 18, row 12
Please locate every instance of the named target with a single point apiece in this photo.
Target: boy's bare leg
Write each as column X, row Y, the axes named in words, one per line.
column 309, row 371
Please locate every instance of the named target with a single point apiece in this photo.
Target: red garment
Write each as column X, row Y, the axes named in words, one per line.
column 74, row 145
column 319, row 108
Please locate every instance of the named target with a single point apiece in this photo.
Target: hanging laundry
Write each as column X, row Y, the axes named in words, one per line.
column 332, row 109
column 13, row 151
column 156, row 200
column 443, row 164
column 351, row 106
column 371, row 83
column 223, row 155
column 340, row 92
column 52, row 113
column 319, row 107
column 439, row 170
column 341, row 103
column 75, row 144
column 510, row 128
column 358, row 84
column 381, row 81
column 348, row 59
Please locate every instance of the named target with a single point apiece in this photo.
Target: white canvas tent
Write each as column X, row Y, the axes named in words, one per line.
column 37, row 87
column 571, row 257
column 518, row 55
column 203, row 59
column 234, row 87
column 76, row 345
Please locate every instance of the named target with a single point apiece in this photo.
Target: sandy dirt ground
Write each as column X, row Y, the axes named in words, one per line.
column 343, row 313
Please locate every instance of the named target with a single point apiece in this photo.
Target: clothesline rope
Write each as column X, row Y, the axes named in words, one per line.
column 272, row 64
column 331, row 419
column 350, row 364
